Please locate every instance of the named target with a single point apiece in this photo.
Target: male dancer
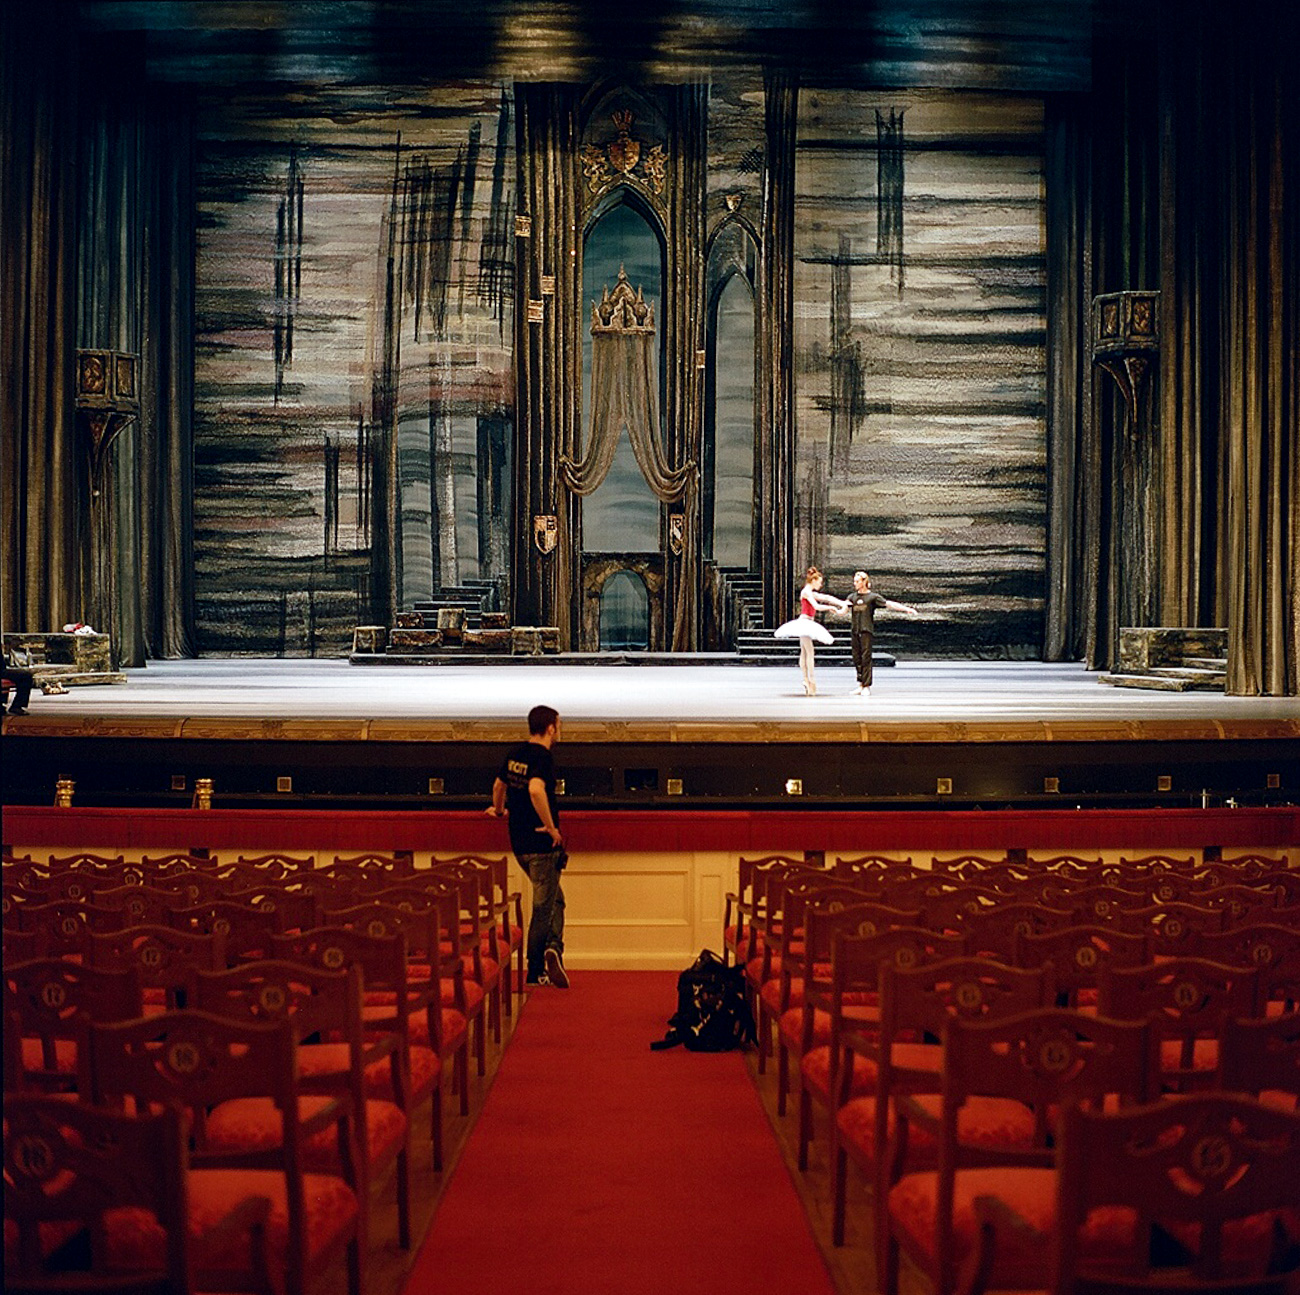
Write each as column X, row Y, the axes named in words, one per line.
column 863, row 603
column 524, row 791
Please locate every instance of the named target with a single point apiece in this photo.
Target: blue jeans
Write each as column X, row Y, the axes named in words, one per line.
column 546, row 927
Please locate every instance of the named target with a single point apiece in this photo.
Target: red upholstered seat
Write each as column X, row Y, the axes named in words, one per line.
column 455, row 1027
column 792, row 1023
column 253, row 1124
column 321, row 1060
column 1031, row 1193
column 816, row 1065
column 329, row 1208
column 983, row 1122
column 65, row 1056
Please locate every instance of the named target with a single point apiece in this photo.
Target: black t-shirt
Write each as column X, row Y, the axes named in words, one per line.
column 522, row 764
column 864, row 610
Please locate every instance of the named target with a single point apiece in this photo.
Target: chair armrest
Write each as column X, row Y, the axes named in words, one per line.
column 994, row 1215
column 215, row 1249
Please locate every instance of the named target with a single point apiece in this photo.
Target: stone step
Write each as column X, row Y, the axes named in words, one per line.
column 1159, row 683
column 1197, row 677
column 1206, row 662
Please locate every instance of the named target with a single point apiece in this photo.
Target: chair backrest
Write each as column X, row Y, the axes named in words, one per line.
column 68, row 1165
column 181, row 861
column 314, row 1000
column 969, row 866
column 1263, row 1056
column 1190, row 1166
column 1045, row 1058
column 53, row 1000
column 246, row 929
column 140, row 904
column 162, row 957
column 1078, row 953
column 993, row 931
column 1185, row 999
column 278, row 866
column 295, row 909
column 1097, row 903
column 920, row 1000
column 61, row 924
column 829, row 916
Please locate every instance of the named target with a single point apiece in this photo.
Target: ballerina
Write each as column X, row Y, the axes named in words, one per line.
column 805, row 628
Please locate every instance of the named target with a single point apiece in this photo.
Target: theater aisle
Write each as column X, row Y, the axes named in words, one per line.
column 598, row 1165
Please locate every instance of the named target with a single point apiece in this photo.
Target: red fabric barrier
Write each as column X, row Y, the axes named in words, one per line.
column 655, row 830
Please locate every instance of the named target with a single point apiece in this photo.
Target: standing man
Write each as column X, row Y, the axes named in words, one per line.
column 524, row 791
column 863, row 603
column 16, row 662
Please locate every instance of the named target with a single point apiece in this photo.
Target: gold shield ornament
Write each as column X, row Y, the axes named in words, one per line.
column 546, row 532
column 677, row 533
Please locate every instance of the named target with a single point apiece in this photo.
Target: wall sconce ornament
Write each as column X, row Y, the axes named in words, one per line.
column 1126, row 342
column 108, row 398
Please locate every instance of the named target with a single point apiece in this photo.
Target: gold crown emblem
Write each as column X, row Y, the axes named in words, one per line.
column 623, row 310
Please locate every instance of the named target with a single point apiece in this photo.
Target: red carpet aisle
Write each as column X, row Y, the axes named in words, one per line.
column 598, row 1166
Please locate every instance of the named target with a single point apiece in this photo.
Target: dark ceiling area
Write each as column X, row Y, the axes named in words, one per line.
column 1030, row 46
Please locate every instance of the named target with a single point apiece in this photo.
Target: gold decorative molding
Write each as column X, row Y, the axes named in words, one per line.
column 624, row 158
column 622, row 311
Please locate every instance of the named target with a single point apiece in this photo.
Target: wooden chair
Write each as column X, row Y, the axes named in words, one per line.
column 1077, row 955
column 162, row 957
column 824, row 919
column 1214, row 1171
column 324, row 1006
column 1262, row 1060
column 740, row 917
column 245, row 929
column 198, row 1061
column 876, row 1069
column 48, row 1006
column 476, row 937
column 992, row 932
column 1188, row 1001
column 1005, row 1081
column 783, row 957
column 74, row 1171
column 502, row 910
column 382, row 960
column 857, row 963
column 60, row 926
column 428, row 922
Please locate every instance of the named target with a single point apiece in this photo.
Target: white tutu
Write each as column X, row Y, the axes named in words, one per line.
column 803, row 627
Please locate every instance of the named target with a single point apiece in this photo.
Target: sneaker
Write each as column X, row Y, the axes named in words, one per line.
column 543, row 979
column 555, row 969
column 18, row 710
column 857, row 692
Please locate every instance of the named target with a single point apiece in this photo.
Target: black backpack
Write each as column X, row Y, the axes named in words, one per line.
column 712, row 1011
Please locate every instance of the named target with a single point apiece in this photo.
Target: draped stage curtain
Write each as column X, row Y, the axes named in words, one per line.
column 624, row 394
column 43, row 471
column 97, row 220
column 1179, row 172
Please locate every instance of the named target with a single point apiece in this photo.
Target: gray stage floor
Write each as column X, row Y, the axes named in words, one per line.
column 920, row 692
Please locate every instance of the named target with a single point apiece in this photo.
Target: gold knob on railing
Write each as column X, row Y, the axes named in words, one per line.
column 202, row 794
column 63, row 790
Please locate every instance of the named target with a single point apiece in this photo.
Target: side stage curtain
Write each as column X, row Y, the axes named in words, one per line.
column 1102, row 236
column 136, row 293
column 97, row 229
column 1231, row 323
column 40, row 567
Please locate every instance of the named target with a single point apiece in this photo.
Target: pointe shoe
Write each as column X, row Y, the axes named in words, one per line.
column 812, row 689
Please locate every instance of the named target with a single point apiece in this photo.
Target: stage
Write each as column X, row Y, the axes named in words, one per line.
column 933, row 734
